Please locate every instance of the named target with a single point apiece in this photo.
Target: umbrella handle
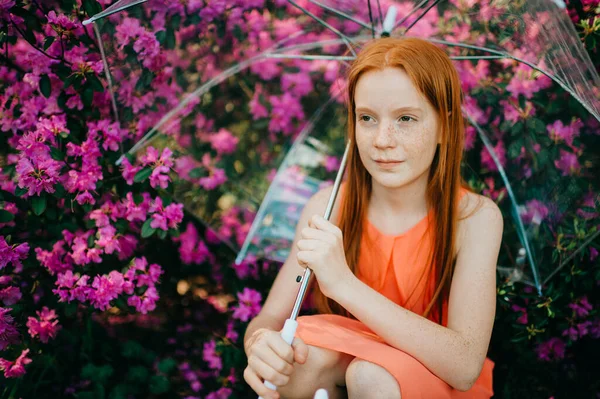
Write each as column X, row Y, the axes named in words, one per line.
column 288, row 333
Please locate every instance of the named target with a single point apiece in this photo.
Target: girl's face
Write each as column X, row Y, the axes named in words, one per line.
column 394, row 123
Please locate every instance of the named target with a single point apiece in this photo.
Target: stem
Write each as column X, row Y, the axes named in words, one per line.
column 36, row 47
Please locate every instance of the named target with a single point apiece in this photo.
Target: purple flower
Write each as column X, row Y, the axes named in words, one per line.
column 192, row 250
column 249, row 304
column 17, row 368
column 560, row 132
column 535, row 212
column 38, row 174
column 553, row 349
column 12, row 254
column 488, row 162
column 46, row 326
column 221, row 393
column 106, row 288
column 568, row 163
column 284, row 109
column 10, row 295
column 210, row 355
column 257, row 109
column 8, row 332
column 223, row 142
column 581, row 307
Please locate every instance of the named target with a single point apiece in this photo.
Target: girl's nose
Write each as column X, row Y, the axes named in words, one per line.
column 385, row 136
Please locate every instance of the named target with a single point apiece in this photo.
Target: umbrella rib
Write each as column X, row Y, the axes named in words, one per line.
column 341, row 14
column 421, row 16
column 107, row 72
column 419, row 6
column 345, row 38
column 570, row 257
column 513, row 199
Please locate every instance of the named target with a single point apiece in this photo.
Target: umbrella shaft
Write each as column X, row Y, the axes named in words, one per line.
column 307, row 272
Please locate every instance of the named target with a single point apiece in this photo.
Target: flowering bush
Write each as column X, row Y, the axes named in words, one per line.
column 109, row 286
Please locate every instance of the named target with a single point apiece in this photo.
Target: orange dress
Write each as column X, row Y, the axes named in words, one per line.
column 392, row 265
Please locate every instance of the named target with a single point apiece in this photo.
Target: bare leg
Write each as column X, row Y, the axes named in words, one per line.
column 324, row 368
column 366, row 380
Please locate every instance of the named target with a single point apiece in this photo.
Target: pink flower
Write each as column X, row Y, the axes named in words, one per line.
column 523, row 318
column 284, row 109
column 535, row 212
column 568, row 163
column 38, row 174
column 298, row 84
column 8, row 332
column 223, row 142
column 216, row 178
column 257, row 109
column 221, row 393
column 559, row 132
column 17, row 368
column 523, row 82
column 10, row 295
column 46, row 326
column 160, row 166
column 582, row 307
column 12, row 254
column 249, row 304
column 107, row 288
column 553, row 349
column 129, row 171
column 331, row 163
column 210, row 355
column 488, row 162
column 192, row 249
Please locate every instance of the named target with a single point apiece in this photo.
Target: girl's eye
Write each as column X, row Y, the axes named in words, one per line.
column 406, row 118
column 364, row 116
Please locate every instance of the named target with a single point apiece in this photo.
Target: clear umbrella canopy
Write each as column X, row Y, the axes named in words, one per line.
column 252, row 103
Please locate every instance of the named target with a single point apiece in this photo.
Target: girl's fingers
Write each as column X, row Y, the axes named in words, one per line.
column 267, row 372
column 258, row 385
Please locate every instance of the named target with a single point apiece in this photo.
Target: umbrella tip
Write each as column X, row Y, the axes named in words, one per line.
column 88, row 21
column 119, row 161
column 321, row 394
column 389, row 21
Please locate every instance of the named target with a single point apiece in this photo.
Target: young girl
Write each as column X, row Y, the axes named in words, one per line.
column 406, row 269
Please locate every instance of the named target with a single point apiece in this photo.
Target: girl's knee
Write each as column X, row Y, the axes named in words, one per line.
column 368, row 380
column 323, row 368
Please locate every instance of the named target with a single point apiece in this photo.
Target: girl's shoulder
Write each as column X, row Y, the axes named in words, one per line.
column 474, row 211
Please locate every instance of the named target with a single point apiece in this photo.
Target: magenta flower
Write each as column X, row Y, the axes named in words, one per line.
column 248, row 306
column 192, row 250
column 553, row 349
column 284, row 109
column 257, row 109
column 8, row 332
column 535, row 212
column 107, row 239
column 223, row 142
column 129, row 171
column 10, row 295
column 17, row 368
column 559, row 132
column 568, row 163
column 211, row 356
column 216, row 178
column 46, row 326
column 106, row 288
column 221, row 393
column 581, row 307
column 160, row 166
column 488, row 162
column 12, row 254
column 38, row 174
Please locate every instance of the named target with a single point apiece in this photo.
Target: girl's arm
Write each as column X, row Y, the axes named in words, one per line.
column 455, row 353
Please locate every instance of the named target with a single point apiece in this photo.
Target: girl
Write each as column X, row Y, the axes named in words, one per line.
column 406, row 271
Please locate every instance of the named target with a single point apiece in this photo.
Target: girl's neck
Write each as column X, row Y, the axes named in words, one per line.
column 405, row 202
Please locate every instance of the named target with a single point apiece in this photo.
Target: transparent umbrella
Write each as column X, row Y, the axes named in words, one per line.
column 531, row 101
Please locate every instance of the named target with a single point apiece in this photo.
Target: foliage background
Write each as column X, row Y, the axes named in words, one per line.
column 109, row 288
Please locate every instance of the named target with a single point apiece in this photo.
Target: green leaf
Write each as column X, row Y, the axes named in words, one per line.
column 87, row 96
column 95, row 83
column 48, row 42
column 138, row 374
column 45, row 86
column 99, row 374
column 56, row 154
column 59, row 191
column 142, row 175
column 147, row 231
column 162, row 234
column 132, row 349
column 91, row 7
column 20, row 191
column 159, row 384
column 38, row 204
column 119, row 392
column 6, row 216
column 166, row 365
column 197, row 173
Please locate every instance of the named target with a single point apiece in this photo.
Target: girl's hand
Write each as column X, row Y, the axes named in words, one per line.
column 322, row 250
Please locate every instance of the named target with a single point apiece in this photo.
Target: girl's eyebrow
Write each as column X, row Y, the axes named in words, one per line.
column 367, row 109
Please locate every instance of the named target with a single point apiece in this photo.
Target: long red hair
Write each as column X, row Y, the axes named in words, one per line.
column 432, row 72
